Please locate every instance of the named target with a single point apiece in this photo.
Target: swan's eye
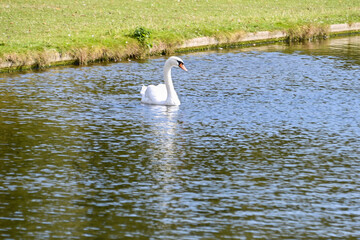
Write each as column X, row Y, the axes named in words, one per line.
column 180, row 63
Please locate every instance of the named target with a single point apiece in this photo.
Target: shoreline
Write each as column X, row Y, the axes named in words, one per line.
column 54, row 58
column 267, row 36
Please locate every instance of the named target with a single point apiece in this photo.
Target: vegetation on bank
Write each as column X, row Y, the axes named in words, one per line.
column 33, row 31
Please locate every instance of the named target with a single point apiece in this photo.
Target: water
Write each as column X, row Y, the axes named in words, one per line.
column 265, row 145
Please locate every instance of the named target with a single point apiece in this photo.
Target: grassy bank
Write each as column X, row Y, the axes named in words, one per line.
column 87, row 30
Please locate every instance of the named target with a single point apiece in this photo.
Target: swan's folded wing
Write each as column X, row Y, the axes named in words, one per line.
column 154, row 94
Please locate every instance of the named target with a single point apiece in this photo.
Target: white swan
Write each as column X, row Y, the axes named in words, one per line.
column 163, row 94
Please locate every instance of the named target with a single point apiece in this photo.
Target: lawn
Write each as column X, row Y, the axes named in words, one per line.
column 69, row 25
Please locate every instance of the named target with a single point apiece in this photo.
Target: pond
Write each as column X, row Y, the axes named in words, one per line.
column 265, row 145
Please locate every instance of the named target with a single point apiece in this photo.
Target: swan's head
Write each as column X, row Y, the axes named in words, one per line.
column 176, row 62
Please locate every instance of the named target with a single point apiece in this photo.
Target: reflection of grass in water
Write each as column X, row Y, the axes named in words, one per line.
column 90, row 29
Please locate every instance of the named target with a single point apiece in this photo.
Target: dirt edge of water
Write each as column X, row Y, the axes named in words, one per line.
column 84, row 56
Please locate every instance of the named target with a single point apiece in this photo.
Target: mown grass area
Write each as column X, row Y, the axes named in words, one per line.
column 105, row 27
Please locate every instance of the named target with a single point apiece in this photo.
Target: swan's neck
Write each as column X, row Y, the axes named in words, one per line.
column 171, row 94
column 168, row 80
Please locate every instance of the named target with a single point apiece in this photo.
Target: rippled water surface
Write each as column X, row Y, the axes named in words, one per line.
column 266, row 145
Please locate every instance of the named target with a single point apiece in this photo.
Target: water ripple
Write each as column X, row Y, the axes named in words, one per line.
column 264, row 145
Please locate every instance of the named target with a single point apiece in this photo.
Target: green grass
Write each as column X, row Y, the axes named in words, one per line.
column 68, row 25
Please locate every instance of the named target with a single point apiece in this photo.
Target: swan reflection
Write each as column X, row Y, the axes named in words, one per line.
column 163, row 127
column 163, row 152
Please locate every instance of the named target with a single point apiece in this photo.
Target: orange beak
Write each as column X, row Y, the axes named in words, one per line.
column 182, row 66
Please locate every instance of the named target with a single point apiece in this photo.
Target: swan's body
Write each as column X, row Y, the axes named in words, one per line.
column 163, row 94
